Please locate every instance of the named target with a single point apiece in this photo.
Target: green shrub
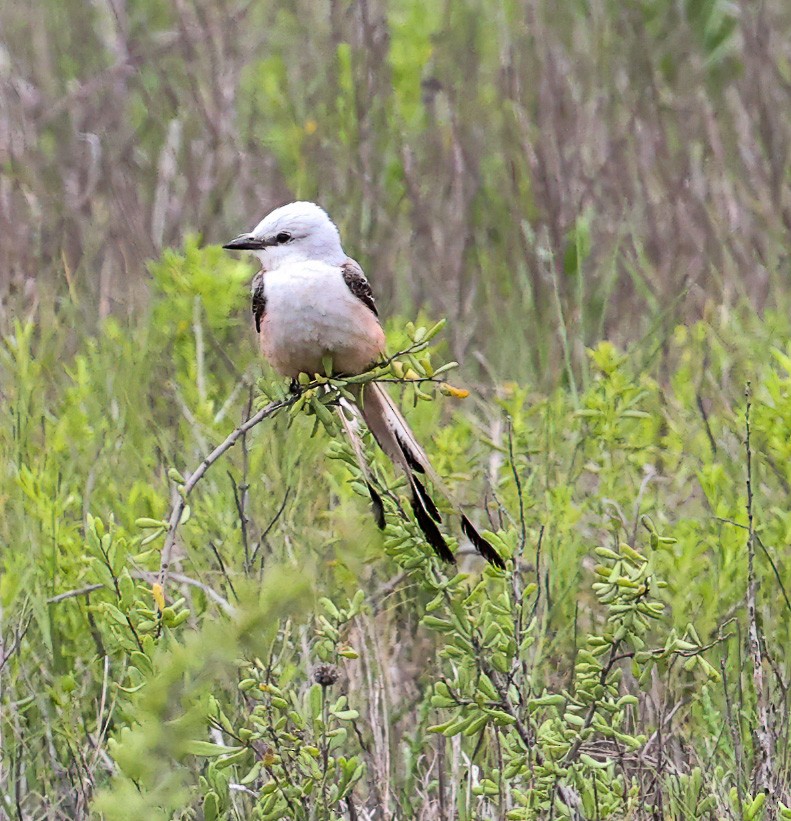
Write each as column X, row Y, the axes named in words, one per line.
column 298, row 664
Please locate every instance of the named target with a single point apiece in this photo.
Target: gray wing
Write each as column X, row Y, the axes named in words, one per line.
column 259, row 300
column 356, row 282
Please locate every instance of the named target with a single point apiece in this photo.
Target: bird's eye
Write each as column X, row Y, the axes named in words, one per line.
column 283, row 237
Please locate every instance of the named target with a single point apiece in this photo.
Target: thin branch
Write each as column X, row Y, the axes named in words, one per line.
column 518, row 483
column 72, row 594
column 706, row 424
column 568, row 795
column 146, row 577
column 245, row 487
column 212, row 594
column 178, row 509
column 775, row 570
column 223, row 570
column 376, row 373
column 736, row 735
column 574, row 750
column 762, row 772
column 7, row 654
column 351, row 808
column 269, row 527
column 768, row 555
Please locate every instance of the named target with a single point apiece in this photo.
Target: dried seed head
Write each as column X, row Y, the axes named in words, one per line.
column 325, row 674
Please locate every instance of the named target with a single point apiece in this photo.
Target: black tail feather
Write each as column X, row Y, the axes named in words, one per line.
column 428, row 502
column 430, row 529
column 410, row 457
column 377, row 506
column 480, row 544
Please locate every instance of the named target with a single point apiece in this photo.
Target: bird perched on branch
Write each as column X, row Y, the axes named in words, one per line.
column 311, row 301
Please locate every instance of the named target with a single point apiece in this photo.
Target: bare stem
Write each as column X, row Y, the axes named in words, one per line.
column 762, row 773
column 178, row 508
column 568, row 795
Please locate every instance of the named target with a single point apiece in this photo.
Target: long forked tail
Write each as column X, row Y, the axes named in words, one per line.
column 351, row 426
column 394, row 436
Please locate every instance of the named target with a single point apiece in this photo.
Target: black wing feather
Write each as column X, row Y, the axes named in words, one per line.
column 356, row 282
column 259, row 300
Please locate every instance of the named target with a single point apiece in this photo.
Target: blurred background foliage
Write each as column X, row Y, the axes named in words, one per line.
column 515, row 166
column 545, row 175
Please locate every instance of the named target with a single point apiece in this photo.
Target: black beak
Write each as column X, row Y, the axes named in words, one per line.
column 245, row 242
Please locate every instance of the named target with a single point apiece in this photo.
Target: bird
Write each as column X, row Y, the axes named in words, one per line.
column 312, row 303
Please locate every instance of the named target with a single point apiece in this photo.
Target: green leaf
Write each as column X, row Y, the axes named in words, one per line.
column 211, row 806
column 208, row 749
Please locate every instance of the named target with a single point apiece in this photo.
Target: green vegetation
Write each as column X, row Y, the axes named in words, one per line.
column 301, row 664
column 596, row 196
column 542, row 174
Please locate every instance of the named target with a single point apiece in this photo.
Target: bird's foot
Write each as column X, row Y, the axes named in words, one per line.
column 294, row 387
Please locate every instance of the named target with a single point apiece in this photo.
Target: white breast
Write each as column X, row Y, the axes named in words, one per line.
column 310, row 314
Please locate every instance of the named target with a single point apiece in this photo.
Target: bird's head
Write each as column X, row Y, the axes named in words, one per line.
column 292, row 233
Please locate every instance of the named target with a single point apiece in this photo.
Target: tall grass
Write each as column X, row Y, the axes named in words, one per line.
column 298, row 664
column 515, row 166
column 546, row 176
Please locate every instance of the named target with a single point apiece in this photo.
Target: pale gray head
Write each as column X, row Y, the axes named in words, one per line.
column 293, row 233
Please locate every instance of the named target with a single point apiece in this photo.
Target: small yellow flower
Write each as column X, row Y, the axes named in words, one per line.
column 449, row 390
column 159, row 596
column 310, row 127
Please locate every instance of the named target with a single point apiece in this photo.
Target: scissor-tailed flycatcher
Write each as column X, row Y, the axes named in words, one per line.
column 310, row 302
